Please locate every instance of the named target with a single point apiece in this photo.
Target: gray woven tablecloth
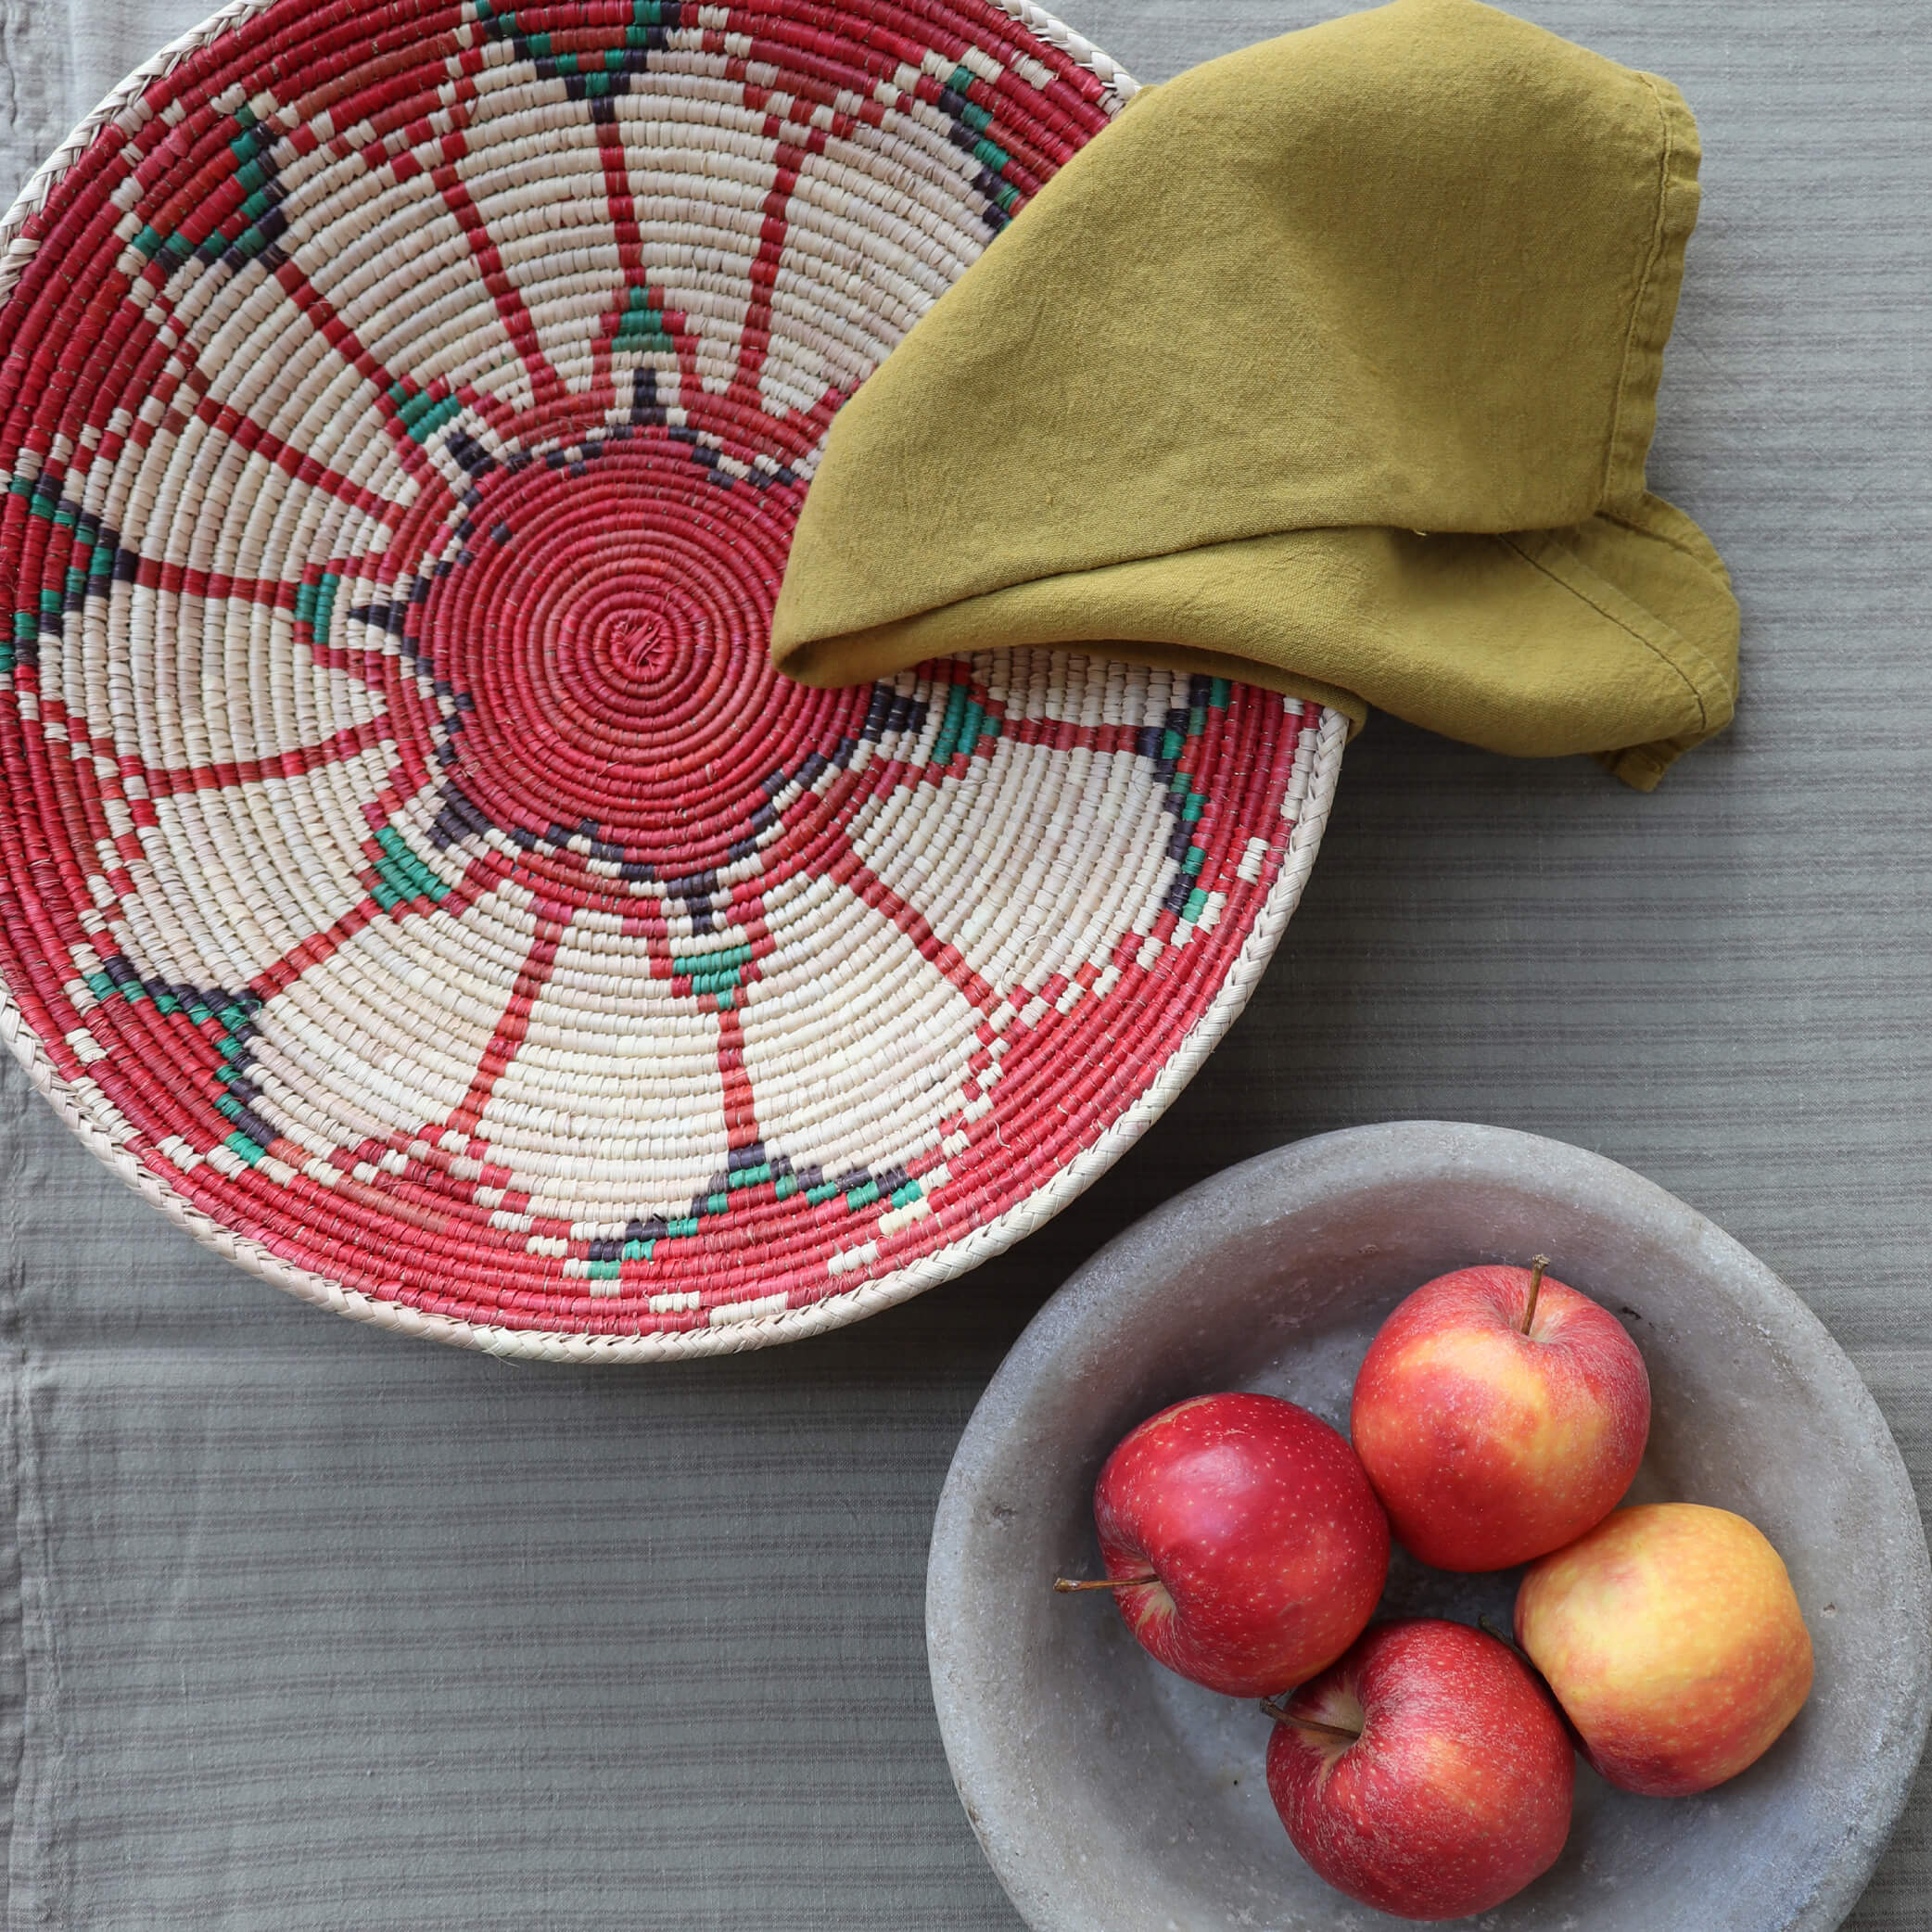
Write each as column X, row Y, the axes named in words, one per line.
column 304, row 1626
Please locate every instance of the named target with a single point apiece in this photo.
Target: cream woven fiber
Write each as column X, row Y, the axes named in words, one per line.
column 417, row 884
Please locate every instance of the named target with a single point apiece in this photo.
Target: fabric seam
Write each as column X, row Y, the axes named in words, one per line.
column 1702, row 558
column 1583, row 596
column 1660, row 228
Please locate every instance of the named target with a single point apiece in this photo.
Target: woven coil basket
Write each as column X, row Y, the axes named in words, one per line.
column 412, row 877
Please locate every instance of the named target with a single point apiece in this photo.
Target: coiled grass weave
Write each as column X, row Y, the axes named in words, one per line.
column 413, row 876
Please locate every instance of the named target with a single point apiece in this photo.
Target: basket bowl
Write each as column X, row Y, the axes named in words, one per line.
column 414, row 877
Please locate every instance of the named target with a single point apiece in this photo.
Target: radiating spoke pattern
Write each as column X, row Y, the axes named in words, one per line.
column 411, row 872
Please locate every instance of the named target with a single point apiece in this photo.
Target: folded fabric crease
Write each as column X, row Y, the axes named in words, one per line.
column 1332, row 365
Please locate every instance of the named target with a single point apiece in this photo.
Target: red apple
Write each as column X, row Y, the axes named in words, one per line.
column 1427, row 1774
column 1672, row 1637
column 1499, row 1414
column 1241, row 1540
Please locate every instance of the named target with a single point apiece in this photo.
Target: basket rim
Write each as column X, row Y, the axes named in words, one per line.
column 990, row 1238
column 930, row 1270
column 33, row 197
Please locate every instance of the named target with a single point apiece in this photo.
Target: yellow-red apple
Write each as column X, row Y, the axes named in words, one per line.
column 1241, row 1541
column 1499, row 1414
column 1672, row 1637
column 1427, row 1774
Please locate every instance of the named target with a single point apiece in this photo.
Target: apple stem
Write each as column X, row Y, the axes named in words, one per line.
column 1065, row 1583
column 1537, row 1264
column 1283, row 1715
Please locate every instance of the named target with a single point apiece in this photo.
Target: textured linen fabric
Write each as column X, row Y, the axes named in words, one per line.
column 305, row 1627
column 1331, row 364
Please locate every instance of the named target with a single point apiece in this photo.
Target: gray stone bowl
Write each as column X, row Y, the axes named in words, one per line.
column 1112, row 1797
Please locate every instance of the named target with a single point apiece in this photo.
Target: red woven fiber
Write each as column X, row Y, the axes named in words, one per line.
column 411, row 874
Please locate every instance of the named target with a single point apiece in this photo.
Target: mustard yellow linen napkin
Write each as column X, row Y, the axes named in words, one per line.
column 1330, row 365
